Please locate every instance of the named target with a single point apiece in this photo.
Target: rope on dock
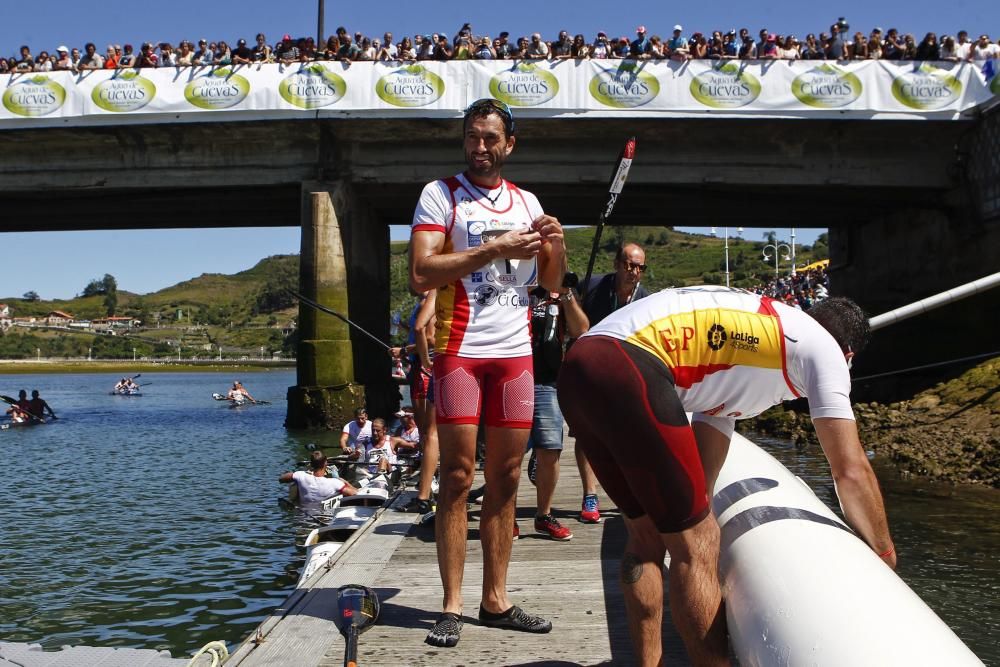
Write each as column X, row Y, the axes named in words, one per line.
column 216, row 649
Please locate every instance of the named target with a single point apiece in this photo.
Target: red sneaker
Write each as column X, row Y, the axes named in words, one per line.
column 549, row 525
column 590, row 512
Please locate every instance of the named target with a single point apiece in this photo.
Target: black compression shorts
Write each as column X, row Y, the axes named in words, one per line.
column 621, row 404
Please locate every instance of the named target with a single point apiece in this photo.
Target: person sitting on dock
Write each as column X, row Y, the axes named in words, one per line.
column 358, row 429
column 407, row 439
column 239, row 393
column 378, row 450
column 721, row 354
column 37, row 406
column 314, row 485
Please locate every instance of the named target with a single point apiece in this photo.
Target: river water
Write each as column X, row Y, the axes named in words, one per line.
column 153, row 522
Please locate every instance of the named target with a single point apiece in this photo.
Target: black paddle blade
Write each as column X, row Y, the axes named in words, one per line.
column 357, row 606
column 357, row 610
column 7, row 399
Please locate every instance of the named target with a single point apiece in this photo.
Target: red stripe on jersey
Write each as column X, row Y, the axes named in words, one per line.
column 767, row 308
column 686, row 376
column 459, row 319
column 424, row 227
column 452, row 184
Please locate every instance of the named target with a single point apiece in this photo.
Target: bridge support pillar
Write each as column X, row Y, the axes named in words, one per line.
column 345, row 266
column 325, row 393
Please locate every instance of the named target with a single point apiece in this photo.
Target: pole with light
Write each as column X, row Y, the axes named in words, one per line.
column 725, row 250
column 320, row 14
column 793, row 251
column 776, row 247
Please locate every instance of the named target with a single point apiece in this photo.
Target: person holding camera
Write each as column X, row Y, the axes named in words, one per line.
column 556, row 317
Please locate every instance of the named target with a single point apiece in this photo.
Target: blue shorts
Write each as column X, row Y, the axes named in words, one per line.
column 547, row 425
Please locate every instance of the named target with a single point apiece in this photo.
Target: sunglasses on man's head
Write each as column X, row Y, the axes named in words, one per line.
column 488, row 103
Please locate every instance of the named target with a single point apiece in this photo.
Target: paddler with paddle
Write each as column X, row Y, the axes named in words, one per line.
column 239, row 393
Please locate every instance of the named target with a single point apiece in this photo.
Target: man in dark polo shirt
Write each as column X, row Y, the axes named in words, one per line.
column 606, row 294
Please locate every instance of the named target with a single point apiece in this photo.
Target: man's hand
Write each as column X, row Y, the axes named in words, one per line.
column 517, row 244
column 548, row 227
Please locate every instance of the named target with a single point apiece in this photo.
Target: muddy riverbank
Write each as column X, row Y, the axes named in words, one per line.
column 948, row 433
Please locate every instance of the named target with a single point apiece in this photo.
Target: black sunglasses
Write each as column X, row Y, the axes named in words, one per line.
column 632, row 266
column 490, row 104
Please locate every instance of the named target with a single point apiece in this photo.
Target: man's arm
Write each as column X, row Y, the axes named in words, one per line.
column 430, row 268
column 343, row 441
column 424, row 328
column 552, row 256
column 285, row 478
column 856, row 485
column 348, row 490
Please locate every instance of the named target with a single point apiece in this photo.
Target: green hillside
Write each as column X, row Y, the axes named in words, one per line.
column 250, row 310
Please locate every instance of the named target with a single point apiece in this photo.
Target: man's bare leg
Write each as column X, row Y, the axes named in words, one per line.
column 458, row 460
column 695, row 594
column 642, row 584
column 505, row 447
column 546, row 478
column 429, row 457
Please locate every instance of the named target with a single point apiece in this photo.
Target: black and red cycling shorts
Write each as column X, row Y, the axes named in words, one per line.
column 622, row 406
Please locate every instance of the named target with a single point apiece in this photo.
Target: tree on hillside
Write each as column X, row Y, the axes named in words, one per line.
column 111, row 302
column 274, row 295
column 771, row 236
column 101, row 286
column 31, row 296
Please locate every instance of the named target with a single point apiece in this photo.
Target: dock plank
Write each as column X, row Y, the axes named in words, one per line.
column 574, row 584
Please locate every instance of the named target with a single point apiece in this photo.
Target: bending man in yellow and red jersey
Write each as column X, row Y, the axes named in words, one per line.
column 723, row 355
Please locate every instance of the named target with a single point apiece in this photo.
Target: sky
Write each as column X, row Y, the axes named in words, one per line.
column 159, row 258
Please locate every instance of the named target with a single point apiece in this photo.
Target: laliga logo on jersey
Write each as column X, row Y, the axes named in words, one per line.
column 717, row 337
column 37, row 96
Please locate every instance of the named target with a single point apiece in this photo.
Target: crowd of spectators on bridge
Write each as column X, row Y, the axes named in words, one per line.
column 838, row 43
column 800, row 290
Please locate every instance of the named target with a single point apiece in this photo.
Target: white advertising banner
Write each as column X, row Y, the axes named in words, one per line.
column 864, row 89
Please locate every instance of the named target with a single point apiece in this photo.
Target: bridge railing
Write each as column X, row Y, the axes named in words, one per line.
column 868, row 89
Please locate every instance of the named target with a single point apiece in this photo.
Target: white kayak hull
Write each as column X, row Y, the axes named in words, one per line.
column 350, row 514
column 802, row 589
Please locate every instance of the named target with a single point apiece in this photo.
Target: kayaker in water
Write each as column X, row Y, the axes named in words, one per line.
column 37, row 406
column 239, row 393
column 20, row 412
column 314, row 486
column 127, row 386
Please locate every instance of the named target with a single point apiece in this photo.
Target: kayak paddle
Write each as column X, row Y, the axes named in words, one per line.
column 357, row 610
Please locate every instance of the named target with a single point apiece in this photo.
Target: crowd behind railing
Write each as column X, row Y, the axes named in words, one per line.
column 836, row 44
column 800, row 290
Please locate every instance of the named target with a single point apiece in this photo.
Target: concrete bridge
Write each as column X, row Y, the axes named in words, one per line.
column 913, row 206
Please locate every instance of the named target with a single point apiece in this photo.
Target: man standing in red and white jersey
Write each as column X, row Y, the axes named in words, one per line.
column 484, row 244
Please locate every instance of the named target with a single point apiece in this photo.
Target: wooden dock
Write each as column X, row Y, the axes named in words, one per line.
column 574, row 584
